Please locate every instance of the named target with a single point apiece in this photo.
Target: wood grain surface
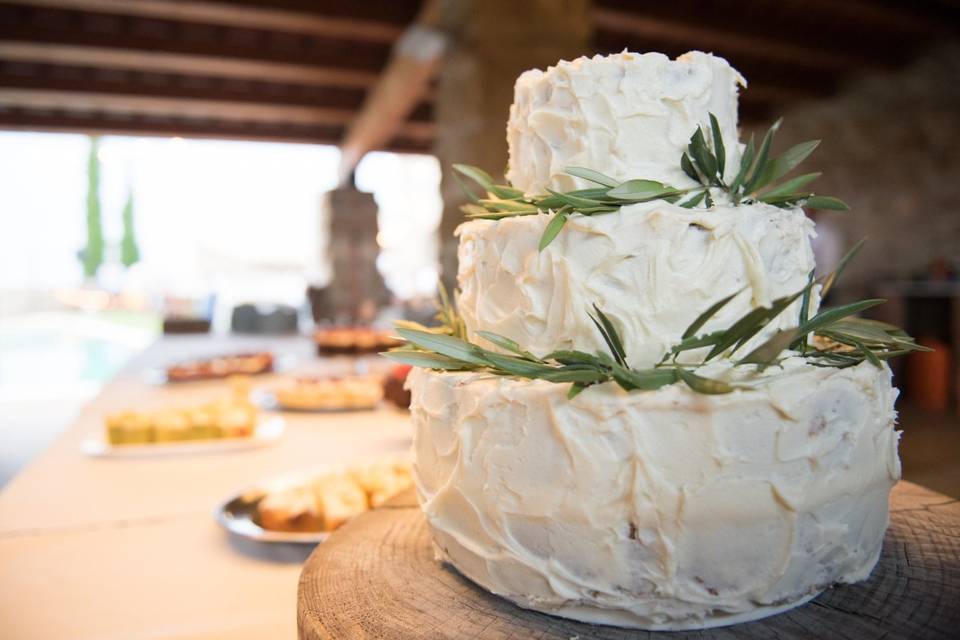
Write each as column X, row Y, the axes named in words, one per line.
column 377, row 578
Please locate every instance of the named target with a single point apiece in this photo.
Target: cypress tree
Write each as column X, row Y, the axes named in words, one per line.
column 129, row 251
column 93, row 252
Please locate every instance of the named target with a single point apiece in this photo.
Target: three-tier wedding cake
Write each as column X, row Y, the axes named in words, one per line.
column 668, row 507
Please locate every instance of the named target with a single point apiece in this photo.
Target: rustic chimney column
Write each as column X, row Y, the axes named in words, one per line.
column 356, row 289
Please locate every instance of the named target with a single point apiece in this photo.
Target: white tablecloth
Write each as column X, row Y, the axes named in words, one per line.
column 128, row 549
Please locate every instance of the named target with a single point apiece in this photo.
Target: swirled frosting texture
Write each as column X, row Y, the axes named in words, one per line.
column 663, row 509
column 651, row 267
column 626, row 115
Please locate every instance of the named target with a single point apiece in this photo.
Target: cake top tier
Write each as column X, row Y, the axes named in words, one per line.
column 626, row 115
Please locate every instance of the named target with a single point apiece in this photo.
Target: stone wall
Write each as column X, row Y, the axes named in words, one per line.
column 891, row 149
column 475, row 87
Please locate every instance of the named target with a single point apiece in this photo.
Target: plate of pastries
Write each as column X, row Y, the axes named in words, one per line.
column 323, row 393
column 217, row 367
column 307, row 506
column 332, row 341
column 223, row 423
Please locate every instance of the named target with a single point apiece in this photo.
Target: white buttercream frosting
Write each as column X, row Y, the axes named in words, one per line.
column 626, row 115
column 662, row 509
column 651, row 267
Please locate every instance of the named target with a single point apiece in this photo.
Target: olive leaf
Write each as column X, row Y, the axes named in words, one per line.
column 610, row 335
column 790, row 186
column 592, row 176
column 507, row 344
column 770, row 350
column 476, row 174
column 703, row 158
column 709, row 313
column 703, row 161
column 718, row 148
column 844, row 341
column 449, row 346
column 760, row 163
column 703, row 385
column 553, row 229
column 784, row 163
column 647, row 380
column 641, row 190
column 427, row 360
column 746, row 161
column 694, row 200
column 687, row 165
column 827, row 202
column 841, row 266
column 471, row 196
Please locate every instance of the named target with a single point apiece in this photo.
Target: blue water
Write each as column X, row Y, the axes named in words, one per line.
column 47, row 357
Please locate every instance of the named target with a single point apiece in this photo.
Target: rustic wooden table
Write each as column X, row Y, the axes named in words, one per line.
column 103, row 549
column 376, row 578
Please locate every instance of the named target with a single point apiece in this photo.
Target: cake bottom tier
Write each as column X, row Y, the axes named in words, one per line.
column 661, row 509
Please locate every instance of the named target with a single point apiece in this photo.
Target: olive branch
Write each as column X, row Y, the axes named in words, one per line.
column 833, row 337
column 704, row 161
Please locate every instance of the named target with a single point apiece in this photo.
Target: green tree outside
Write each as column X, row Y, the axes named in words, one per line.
column 129, row 251
column 92, row 255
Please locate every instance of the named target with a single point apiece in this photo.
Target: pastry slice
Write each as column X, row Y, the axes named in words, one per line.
column 171, row 426
column 290, row 510
column 338, row 498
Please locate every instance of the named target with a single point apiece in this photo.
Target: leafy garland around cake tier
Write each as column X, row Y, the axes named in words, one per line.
column 704, row 162
column 831, row 338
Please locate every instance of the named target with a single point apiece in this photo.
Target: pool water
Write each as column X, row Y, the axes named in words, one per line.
column 51, row 363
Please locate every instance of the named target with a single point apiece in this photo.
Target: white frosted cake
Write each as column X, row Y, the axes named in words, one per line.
column 665, row 508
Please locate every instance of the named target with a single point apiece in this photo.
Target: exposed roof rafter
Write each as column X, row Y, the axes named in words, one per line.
column 195, row 109
column 187, row 64
column 234, row 15
column 729, row 43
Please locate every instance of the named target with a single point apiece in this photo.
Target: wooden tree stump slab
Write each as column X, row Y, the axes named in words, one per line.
column 377, row 578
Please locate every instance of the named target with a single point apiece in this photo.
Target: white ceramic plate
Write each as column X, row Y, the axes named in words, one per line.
column 268, row 431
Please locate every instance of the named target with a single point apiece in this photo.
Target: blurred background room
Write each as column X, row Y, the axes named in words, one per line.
column 192, row 179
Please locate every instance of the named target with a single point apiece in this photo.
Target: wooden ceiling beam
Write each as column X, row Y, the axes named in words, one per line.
column 130, row 81
column 237, row 15
column 29, row 24
column 213, row 110
column 164, row 62
column 396, row 12
column 727, row 43
column 901, row 17
column 111, row 124
column 822, row 34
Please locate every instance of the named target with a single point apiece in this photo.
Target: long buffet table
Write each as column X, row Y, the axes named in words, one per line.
column 128, row 548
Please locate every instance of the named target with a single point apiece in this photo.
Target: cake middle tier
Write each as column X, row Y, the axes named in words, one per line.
column 652, row 268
